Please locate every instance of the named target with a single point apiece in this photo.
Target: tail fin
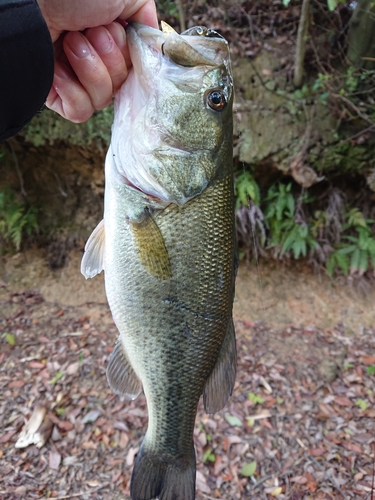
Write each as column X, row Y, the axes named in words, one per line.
column 153, row 477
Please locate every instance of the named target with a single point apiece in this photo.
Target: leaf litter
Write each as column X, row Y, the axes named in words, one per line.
column 300, row 423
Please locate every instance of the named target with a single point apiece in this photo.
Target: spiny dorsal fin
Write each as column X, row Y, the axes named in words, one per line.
column 120, row 374
column 92, row 260
column 220, row 383
column 151, row 247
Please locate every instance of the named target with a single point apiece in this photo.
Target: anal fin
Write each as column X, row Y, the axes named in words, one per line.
column 219, row 385
column 151, row 247
column 120, row 374
column 92, row 260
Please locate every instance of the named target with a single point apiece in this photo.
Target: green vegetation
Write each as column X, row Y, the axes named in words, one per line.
column 48, row 128
column 17, row 220
column 355, row 253
column 248, row 470
column 254, row 398
column 291, row 223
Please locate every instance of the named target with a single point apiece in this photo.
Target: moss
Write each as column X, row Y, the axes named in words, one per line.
column 47, row 128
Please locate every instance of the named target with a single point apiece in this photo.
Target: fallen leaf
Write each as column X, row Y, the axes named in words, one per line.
column 20, row 490
column 343, row 401
column 36, row 364
column 93, row 483
column 16, row 384
column 124, row 440
column 317, row 452
column 91, row 416
column 29, row 434
column 202, row 483
column 73, row 368
column 54, row 459
column 233, row 421
column 277, row 491
column 368, row 360
column 131, row 456
column 10, row 339
column 8, row 436
column 249, row 469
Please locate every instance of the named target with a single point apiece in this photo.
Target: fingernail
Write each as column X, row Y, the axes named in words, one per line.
column 122, row 41
column 103, row 42
column 78, row 45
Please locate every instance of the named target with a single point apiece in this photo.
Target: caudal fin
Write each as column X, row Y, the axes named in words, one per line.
column 153, row 477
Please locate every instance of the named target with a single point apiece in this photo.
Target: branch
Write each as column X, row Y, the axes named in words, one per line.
column 301, row 44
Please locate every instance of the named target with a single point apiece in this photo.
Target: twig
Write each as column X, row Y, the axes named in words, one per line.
column 354, row 108
column 301, row 44
column 77, row 494
column 181, row 15
column 269, row 476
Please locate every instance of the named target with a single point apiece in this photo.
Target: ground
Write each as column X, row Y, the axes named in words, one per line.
column 299, row 425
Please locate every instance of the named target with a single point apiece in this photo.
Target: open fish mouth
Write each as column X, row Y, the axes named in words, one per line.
column 198, row 46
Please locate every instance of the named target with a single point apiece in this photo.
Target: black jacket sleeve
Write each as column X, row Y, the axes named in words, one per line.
column 26, row 64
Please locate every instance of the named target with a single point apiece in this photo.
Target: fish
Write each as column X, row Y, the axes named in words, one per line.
column 167, row 245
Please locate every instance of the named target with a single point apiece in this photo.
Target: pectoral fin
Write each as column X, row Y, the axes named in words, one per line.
column 219, row 385
column 120, row 374
column 92, row 260
column 151, row 247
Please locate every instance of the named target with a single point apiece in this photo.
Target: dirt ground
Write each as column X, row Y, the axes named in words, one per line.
column 300, row 423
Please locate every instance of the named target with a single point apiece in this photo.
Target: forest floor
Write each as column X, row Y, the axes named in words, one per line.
column 300, row 424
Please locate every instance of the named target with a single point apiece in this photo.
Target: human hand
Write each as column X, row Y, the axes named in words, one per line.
column 92, row 59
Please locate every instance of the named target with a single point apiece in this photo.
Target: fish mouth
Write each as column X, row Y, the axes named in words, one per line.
column 198, row 46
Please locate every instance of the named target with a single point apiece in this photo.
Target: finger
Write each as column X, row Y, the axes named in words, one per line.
column 141, row 11
column 67, row 96
column 119, row 35
column 105, row 45
column 89, row 68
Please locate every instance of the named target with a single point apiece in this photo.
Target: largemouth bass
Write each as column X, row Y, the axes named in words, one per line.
column 167, row 245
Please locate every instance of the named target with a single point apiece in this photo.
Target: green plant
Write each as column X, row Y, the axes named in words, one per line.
column 16, row 219
column 357, row 256
column 362, row 404
column 246, row 188
column 208, row 456
column 167, row 8
column 287, row 231
column 254, row 398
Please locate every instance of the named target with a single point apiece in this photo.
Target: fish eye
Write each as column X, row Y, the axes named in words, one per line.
column 216, row 100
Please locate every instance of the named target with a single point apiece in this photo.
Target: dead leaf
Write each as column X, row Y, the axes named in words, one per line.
column 73, row 368
column 29, row 434
column 54, row 459
column 202, row 483
column 124, row 440
column 131, row 455
column 368, row 360
column 91, row 416
column 8, row 436
column 343, row 401
column 16, row 384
